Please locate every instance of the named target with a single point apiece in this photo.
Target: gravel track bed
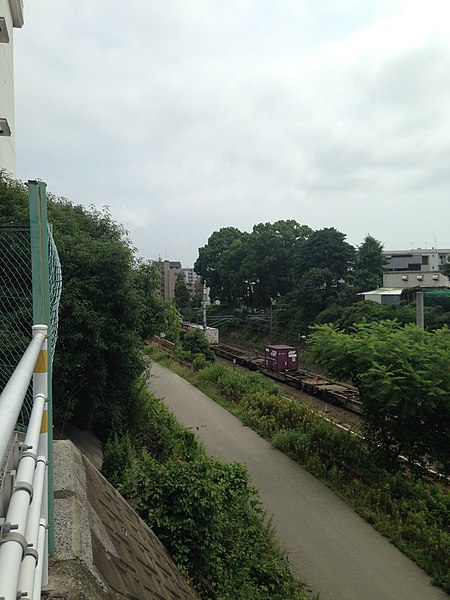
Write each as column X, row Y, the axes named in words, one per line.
column 336, row 414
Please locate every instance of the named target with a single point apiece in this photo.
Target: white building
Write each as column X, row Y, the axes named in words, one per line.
column 192, row 280
column 409, row 279
column 406, row 269
column 11, row 15
column 384, row 295
column 420, row 259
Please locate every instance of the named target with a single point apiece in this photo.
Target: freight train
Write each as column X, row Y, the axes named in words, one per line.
column 281, row 363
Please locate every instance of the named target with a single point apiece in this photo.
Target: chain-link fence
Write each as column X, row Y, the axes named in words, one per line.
column 439, row 298
column 55, row 284
column 16, row 302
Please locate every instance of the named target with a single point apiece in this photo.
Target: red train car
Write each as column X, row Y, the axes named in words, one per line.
column 281, row 358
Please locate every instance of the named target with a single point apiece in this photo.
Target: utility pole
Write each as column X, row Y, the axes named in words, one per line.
column 419, row 309
column 204, row 305
column 271, row 318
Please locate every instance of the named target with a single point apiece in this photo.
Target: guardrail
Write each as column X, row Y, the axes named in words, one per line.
column 23, row 524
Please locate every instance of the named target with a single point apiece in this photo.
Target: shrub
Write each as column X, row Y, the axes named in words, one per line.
column 413, row 514
column 206, row 513
column 196, row 343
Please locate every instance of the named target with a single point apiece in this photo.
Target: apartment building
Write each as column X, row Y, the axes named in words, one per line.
column 11, row 16
column 420, row 259
column 192, row 280
column 412, row 279
column 170, row 271
column 410, row 270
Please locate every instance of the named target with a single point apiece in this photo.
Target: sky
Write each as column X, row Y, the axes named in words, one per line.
column 185, row 116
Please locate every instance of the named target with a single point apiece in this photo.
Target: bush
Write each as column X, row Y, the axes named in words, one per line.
column 196, row 343
column 199, row 363
column 119, row 460
column 206, row 513
column 413, row 514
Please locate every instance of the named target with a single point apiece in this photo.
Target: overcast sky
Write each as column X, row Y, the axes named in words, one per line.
column 185, row 116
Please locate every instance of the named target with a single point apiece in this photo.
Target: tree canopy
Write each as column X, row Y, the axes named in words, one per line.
column 210, row 266
column 196, row 343
column 98, row 348
column 445, row 269
column 327, row 249
column 271, row 253
column 108, row 305
column 400, row 372
column 182, row 296
column 369, row 265
column 282, row 266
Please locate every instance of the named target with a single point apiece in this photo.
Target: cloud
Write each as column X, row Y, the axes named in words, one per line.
column 186, row 117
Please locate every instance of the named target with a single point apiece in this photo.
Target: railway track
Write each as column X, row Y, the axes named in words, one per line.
column 325, row 389
column 310, row 383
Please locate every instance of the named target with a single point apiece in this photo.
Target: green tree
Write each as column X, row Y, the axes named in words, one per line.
column 234, row 278
column 252, row 269
column 195, row 342
column 312, row 295
column 169, row 320
column 108, row 304
column 13, row 201
column 399, row 374
column 323, row 264
column 369, row 265
column 327, row 249
column 367, row 311
column 209, row 263
column 98, row 355
column 182, row 296
column 146, row 279
column 270, row 256
column 445, row 269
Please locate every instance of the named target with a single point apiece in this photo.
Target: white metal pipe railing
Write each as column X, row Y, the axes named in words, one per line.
column 21, row 529
column 40, row 385
column 39, row 576
column 32, row 558
column 13, row 549
column 13, row 394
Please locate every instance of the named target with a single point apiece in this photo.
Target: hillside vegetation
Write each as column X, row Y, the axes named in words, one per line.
column 409, row 509
column 280, row 277
column 283, row 277
column 206, row 513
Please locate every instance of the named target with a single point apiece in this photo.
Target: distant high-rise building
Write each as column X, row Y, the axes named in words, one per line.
column 170, row 271
column 192, row 280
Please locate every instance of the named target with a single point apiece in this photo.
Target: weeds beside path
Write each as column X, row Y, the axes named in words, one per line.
column 413, row 514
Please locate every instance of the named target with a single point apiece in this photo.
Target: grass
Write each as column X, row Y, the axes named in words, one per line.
column 414, row 515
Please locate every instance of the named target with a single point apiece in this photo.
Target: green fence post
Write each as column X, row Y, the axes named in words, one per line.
column 41, row 314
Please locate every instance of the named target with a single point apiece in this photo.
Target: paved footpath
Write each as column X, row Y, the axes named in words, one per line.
column 328, row 545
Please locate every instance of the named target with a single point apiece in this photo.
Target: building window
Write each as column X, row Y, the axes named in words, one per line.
column 4, row 35
column 4, row 127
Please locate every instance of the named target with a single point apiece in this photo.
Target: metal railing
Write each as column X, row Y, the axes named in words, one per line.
column 23, row 526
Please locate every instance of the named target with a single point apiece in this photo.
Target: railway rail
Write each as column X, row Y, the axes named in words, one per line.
column 316, row 385
column 313, row 384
